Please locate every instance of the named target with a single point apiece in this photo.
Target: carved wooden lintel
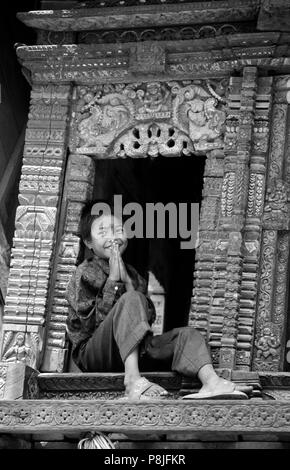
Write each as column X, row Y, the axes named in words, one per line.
column 144, row 15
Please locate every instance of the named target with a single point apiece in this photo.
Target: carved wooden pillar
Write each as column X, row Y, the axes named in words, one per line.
column 253, row 223
column 271, row 317
column 36, row 224
column 236, row 181
column 204, row 293
column 78, row 189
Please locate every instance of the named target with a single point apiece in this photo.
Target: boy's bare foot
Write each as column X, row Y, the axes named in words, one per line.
column 218, row 385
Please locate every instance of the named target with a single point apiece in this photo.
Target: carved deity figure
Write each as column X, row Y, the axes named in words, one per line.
column 267, row 345
column 195, row 112
column 19, row 351
column 205, row 121
column 276, row 197
column 276, row 207
column 154, row 98
column 107, row 116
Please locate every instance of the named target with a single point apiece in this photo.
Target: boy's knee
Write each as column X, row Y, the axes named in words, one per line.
column 133, row 296
column 189, row 332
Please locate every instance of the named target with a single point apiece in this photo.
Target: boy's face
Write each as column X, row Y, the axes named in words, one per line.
column 106, row 230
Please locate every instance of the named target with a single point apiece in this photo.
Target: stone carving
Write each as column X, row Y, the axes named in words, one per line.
column 191, row 115
column 276, row 208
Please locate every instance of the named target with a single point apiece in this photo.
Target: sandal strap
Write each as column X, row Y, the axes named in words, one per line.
column 142, row 385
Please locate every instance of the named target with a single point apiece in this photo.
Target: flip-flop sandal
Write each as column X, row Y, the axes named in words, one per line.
column 145, row 390
column 234, row 395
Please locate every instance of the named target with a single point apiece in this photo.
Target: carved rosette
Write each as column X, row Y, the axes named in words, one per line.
column 35, row 225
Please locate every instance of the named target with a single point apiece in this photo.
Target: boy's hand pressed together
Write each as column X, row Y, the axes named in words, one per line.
column 114, row 274
column 124, row 274
column 118, row 271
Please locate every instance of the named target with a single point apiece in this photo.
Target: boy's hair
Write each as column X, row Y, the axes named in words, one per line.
column 87, row 217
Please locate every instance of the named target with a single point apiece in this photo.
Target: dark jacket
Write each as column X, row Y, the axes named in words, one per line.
column 91, row 295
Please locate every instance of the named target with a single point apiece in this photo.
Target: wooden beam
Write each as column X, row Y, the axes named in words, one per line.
column 208, row 416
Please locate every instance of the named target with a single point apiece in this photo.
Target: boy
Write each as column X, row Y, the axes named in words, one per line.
column 110, row 317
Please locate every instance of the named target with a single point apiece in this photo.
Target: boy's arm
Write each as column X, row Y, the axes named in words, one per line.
column 81, row 319
column 90, row 291
column 111, row 291
column 140, row 285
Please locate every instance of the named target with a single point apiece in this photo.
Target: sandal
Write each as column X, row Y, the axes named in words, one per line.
column 235, row 395
column 232, row 394
column 145, row 390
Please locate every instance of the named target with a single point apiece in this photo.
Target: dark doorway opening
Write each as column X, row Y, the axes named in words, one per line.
column 162, row 180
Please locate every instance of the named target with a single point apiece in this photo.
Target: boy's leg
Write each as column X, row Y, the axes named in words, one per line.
column 181, row 349
column 115, row 344
column 120, row 333
column 186, row 349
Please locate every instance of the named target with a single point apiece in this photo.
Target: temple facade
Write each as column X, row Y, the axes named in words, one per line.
column 133, row 80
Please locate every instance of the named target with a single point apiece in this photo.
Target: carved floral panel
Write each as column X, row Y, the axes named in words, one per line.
column 152, row 119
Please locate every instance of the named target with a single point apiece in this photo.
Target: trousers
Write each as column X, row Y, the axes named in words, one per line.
column 127, row 326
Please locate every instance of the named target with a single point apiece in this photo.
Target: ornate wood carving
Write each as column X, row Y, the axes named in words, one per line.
column 4, row 263
column 78, row 189
column 207, row 254
column 147, row 15
column 223, row 273
column 35, row 225
column 18, row 381
column 198, row 58
column 271, row 316
column 253, row 223
column 168, row 415
column 274, row 15
column 150, row 98
column 148, row 119
column 168, row 33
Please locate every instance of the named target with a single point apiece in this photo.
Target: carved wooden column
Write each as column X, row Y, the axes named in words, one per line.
column 272, row 306
column 78, row 189
column 205, row 287
column 36, row 224
column 233, row 207
column 253, row 224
